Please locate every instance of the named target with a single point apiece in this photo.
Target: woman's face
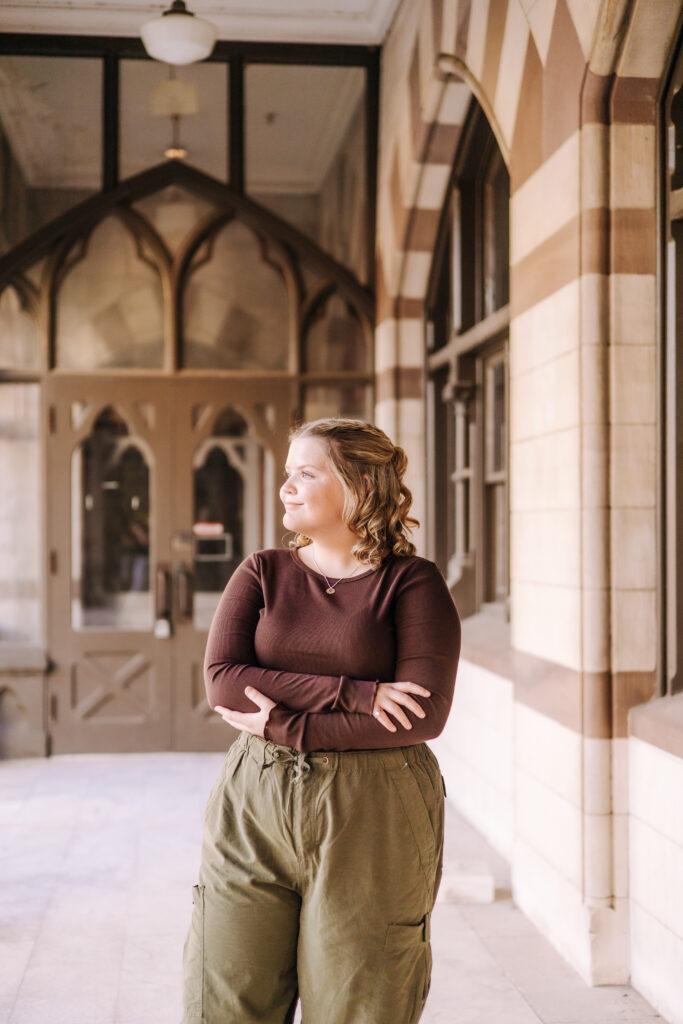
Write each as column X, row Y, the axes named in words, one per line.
column 312, row 494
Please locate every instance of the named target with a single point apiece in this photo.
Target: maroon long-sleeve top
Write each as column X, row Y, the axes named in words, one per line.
column 320, row 656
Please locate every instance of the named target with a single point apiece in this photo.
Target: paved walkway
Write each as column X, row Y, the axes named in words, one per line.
column 97, row 858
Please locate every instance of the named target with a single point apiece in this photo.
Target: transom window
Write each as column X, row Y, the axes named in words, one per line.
column 293, row 127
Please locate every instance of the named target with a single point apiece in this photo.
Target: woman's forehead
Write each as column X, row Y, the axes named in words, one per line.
column 307, row 451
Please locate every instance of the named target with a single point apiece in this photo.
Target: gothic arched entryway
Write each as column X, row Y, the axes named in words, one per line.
column 181, row 329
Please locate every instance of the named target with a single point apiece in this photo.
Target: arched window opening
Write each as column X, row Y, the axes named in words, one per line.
column 174, row 213
column 110, row 304
column 335, row 339
column 111, row 529
column 236, row 308
column 229, row 487
column 467, row 356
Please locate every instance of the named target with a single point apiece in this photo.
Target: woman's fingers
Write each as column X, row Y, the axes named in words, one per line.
column 384, row 720
column 390, row 696
column 399, row 714
column 412, row 688
column 237, row 718
column 258, row 698
column 408, row 702
column 249, row 721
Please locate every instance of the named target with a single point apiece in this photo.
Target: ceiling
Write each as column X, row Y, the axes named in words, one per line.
column 305, row 21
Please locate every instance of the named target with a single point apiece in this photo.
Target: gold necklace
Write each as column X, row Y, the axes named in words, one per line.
column 331, row 587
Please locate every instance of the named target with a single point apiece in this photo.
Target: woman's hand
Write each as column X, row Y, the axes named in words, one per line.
column 388, row 700
column 247, row 721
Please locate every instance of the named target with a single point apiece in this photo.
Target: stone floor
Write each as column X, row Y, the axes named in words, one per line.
column 97, row 858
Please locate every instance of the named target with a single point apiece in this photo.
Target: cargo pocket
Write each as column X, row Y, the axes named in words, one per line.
column 408, row 961
column 422, row 824
column 193, row 962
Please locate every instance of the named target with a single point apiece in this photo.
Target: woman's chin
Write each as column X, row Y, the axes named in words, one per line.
column 289, row 522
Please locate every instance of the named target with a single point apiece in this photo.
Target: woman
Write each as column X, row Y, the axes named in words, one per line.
column 336, row 660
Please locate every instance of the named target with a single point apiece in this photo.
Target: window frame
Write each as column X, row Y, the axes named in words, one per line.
column 670, row 390
column 463, row 339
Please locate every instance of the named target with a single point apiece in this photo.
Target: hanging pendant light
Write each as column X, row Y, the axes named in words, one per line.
column 178, row 37
column 175, row 98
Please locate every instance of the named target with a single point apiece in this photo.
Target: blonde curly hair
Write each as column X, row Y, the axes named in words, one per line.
column 370, row 469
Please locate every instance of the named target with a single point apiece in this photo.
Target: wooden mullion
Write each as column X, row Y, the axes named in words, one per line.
column 236, row 147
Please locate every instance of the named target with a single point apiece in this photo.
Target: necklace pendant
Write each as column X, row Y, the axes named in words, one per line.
column 330, row 590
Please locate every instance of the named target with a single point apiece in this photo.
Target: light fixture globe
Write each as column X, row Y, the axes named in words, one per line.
column 178, row 37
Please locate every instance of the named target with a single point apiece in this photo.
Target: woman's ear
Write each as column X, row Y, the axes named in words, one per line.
column 366, row 481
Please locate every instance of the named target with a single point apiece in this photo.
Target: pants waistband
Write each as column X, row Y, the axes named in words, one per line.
column 265, row 753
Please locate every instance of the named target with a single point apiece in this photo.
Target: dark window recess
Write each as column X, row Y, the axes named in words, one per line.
column 467, row 354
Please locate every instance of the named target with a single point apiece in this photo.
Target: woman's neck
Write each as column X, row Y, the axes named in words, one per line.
column 332, row 558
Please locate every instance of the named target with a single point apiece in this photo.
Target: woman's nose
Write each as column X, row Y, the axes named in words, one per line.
column 287, row 487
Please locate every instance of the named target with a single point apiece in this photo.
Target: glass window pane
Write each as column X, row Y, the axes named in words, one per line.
column 351, row 400
column 495, row 416
column 335, row 340
column 19, row 336
column 173, row 212
column 20, row 532
column 676, row 154
column 236, row 306
column 496, row 235
column 495, row 561
column 158, row 113
column 110, row 529
column 50, row 140
column 109, row 307
column 228, row 502
column 305, row 153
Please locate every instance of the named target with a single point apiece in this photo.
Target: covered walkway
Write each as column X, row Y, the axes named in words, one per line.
column 98, row 856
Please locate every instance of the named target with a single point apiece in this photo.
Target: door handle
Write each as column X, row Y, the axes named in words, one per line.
column 162, row 600
column 163, row 594
column 183, row 580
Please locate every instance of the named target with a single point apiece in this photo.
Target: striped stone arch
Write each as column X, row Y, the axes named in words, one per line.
column 550, row 77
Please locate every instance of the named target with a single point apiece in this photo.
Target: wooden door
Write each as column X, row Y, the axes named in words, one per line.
column 157, row 488
column 108, row 524
column 229, row 444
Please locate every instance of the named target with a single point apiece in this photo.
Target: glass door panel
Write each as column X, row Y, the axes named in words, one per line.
column 110, row 510
column 218, row 527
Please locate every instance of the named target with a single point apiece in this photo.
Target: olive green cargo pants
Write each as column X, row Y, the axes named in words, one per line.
column 319, row 872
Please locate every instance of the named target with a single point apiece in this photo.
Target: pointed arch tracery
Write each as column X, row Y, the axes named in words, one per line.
column 67, row 250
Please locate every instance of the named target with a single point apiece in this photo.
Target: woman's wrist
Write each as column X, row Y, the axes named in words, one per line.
column 355, row 695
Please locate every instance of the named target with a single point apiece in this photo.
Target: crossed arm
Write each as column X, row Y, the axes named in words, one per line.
column 318, row 712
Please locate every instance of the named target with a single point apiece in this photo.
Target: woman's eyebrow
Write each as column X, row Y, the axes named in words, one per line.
column 305, row 465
